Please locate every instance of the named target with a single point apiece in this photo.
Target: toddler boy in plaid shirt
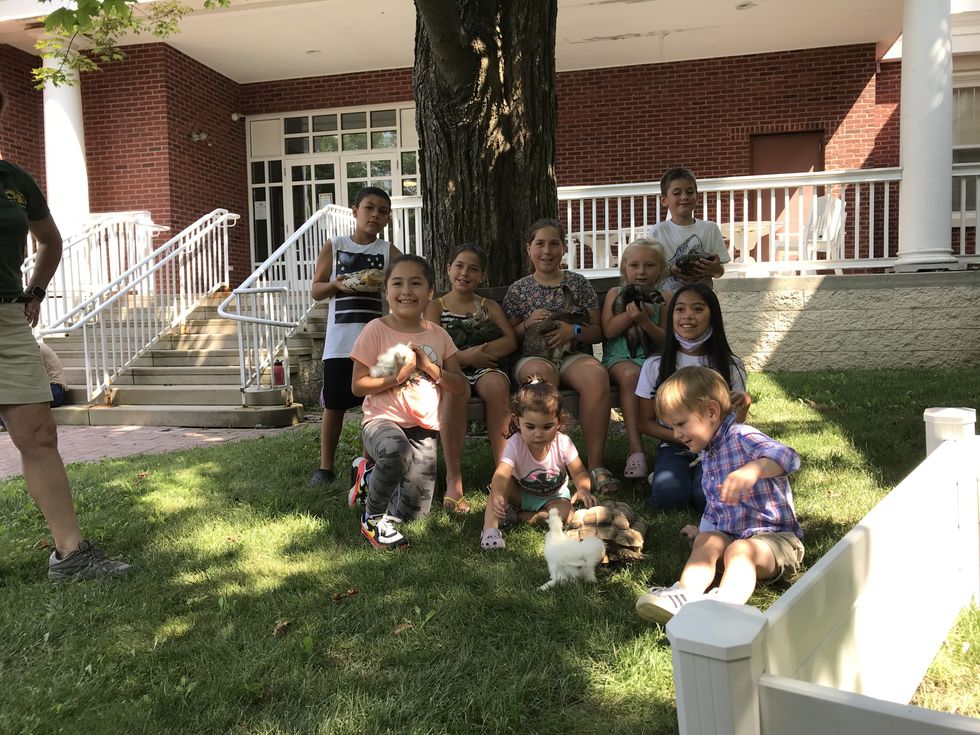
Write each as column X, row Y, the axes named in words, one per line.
column 749, row 524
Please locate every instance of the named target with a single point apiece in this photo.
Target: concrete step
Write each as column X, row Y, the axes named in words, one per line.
column 211, row 326
column 204, row 417
column 187, row 395
column 197, row 375
column 187, row 358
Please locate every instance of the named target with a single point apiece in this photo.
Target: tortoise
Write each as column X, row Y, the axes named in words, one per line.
column 366, row 281
column 616, row 524
column 535, row 343
column 639, row 295
column 687, row 261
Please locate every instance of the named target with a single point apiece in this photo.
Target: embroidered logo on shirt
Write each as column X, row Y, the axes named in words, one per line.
column 15, row 197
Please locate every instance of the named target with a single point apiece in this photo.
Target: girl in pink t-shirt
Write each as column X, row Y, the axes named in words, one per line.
column 401, row 410
column 533, row 473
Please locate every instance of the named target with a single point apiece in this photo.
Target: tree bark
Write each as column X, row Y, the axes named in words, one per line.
column 486, row 114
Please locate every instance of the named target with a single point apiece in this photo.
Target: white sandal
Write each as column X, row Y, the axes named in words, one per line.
column 636, row 466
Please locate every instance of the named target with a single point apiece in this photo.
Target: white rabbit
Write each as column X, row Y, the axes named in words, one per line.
column 569, row 559
column 390, row 361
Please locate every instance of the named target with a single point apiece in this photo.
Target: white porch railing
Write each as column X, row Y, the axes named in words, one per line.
column 151, row 296
column 846, row 647
column 92, row 258
column 774, row 224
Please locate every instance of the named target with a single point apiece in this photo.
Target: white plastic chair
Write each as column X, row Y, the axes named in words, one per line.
column 824, row 231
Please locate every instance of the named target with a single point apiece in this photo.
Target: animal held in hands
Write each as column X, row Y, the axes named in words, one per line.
column 641, row 296
column 535, row 341
column 687, row 262
column 366, row 281
column 569, row 559
column 391, row 360
column 475, row 330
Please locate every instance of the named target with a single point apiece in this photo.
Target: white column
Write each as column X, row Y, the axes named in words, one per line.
column 926, row 189
column 717, row 653
column 64, row 156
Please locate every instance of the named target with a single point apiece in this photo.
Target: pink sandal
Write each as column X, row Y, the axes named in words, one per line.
column 636, row 466
column 492, row 539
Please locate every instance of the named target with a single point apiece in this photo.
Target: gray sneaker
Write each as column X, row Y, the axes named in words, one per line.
column 86, row 562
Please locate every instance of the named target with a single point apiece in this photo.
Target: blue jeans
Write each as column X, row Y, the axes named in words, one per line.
column 675, row 483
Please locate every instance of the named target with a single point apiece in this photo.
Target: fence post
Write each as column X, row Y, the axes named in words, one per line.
column 948, row 423
column 717, row 654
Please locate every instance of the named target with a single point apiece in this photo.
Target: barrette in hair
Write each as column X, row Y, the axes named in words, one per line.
column 534, row 381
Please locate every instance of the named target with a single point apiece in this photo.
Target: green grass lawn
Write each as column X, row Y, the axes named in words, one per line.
column 255, row 606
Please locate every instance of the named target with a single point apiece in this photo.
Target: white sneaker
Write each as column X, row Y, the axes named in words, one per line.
column 660, row 604
column 380, row 530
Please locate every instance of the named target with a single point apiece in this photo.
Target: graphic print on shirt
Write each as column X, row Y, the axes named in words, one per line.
column 692, row 243
column 357, row 308
column 543, row 482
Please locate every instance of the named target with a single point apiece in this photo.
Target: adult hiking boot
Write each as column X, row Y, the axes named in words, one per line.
column 86, row 562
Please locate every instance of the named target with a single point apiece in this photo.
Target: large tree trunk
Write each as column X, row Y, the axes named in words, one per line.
column 486, row 113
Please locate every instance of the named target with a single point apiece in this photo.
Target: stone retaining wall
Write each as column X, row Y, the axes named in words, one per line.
column 914, row 320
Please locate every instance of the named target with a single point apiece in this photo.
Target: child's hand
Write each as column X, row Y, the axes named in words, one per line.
column 406, row 369
column 636, row 313
column 561, row 334
column 586, row 498
column 740, row 403
column 499, row 505
column 476, row 357
column 422, row 361
column 739, row 484
column 538, row 315
column 339, row 283
column 707, row 266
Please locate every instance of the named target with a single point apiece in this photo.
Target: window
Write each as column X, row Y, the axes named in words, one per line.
column 966, row 145
column 357, row 131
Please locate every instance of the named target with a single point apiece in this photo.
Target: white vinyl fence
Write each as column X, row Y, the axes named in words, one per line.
column 844, row 649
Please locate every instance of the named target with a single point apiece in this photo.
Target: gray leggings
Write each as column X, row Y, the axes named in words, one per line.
column 404, row 475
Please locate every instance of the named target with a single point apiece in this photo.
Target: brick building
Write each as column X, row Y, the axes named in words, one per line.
column 159, row 132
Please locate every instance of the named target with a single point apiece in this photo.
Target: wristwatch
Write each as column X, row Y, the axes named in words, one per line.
column 37, row 293
column 577, row 330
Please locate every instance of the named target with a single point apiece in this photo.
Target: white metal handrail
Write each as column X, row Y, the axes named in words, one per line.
column 272, row 302
column 105, row 247
column 149, row 298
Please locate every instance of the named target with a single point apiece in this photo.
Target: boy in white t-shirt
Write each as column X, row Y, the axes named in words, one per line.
column 682, row 234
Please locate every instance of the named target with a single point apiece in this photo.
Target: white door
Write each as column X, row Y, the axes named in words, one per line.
column 311, row 185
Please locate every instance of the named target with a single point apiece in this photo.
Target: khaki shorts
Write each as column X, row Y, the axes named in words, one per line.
column 24, row 378
column 787, row 549
column 560, row 367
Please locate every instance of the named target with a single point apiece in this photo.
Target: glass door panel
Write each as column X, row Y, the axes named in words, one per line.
column 374, row 169
column 312, row 186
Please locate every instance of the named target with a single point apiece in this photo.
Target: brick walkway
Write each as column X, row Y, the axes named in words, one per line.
column 91, row 443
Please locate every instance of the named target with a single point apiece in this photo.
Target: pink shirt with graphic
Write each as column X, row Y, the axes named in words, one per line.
column 416, row 401
column 542, row 477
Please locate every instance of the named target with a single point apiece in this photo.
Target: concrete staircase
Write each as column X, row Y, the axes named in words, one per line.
column 190, row 378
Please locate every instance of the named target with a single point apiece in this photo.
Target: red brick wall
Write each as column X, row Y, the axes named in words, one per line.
column 340, row 90
column 139, row 114
column 629, row 124
column 210, row 173
column 22, row 125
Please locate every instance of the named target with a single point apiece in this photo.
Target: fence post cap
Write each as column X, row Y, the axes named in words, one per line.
column 717, row 630
column 956, row 416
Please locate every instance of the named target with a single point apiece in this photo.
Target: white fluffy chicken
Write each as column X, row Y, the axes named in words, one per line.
column 569, row 559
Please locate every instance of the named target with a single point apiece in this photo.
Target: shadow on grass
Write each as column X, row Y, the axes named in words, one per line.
column 255, row 606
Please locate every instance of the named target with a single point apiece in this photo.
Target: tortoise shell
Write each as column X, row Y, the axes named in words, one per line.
column 616, row 524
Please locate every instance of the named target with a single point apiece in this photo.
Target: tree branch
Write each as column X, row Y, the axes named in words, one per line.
column 453, row 54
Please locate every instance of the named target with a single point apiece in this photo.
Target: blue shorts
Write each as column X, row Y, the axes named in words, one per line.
column 531, row 502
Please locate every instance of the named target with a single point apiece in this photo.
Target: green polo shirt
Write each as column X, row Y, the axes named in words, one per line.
column 21, row 202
